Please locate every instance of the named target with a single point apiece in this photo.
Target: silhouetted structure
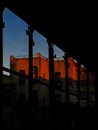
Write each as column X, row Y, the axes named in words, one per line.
column 78, row 29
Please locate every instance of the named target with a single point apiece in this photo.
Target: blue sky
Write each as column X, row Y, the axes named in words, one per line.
column 15, row 40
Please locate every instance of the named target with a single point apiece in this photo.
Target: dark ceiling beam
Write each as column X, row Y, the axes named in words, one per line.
column 72, row 29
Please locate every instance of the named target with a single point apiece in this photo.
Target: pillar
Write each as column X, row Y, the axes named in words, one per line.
column 1, row 43
column 78, row 118
column 96, row 96
column 30, row 33
column 67, row 93
column 1, row 60
column 51, row 84
column 87, row 86
column 78, row 83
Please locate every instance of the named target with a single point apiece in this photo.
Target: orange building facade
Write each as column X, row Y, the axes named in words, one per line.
column 40, row 71
column 41, row 66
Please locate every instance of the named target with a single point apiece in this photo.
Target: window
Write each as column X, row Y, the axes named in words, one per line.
column 12, row 66
column 35, row 72
column 57, row 76
column 43, row 76
column 58, row 82
column 21, row 79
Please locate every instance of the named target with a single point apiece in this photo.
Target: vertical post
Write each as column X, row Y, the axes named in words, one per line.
column 1, row 59
column 87, row 86
column 67, row 93
column 78, row 84
column 78, row 90
column 29, row 33
column 96, row 96
column 66, row 74
column 51, row 84
column 1, row 44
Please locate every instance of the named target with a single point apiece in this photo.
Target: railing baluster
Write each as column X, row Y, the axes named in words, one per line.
column 67, row 92
column 51, row 84
column 1, row 59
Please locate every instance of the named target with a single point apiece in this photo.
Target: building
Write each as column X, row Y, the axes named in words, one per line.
column 40, row 71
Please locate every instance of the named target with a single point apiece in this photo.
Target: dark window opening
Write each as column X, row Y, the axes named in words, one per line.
column 35, row 72
column 21, row 79
column 43, row 76
column 58, row 82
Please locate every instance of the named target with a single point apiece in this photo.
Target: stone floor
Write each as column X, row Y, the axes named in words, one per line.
column 39, row 118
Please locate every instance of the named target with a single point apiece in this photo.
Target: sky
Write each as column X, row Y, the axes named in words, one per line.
column 15, row 40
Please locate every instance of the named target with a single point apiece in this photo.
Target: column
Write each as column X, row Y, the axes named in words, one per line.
column 67, row 93
column 1, row 60
column 78, row 83
column 78, row 93
column 51, row 83
column 87, row 86
column 96, row 96
column 30, row 33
